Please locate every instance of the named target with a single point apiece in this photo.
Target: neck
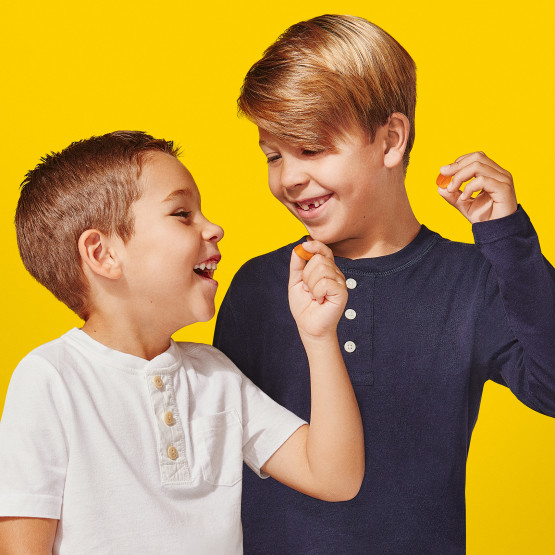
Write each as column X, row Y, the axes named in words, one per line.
column 122, row 334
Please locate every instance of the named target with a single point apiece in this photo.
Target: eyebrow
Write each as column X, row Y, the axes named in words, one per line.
column 179, row 193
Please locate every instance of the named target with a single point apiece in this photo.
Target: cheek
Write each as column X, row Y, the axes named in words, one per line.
column 273, row 182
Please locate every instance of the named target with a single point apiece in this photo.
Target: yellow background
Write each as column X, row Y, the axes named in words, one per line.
column 74, row 69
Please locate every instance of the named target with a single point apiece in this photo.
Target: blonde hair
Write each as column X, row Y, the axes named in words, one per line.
column 324, row 76
column 91, row 184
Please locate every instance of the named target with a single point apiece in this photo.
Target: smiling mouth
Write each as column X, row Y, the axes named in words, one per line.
column 313, row 203
column 206, row 269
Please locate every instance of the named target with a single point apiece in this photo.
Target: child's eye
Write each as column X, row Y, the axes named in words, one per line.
column 273, row 158
column 181, row 214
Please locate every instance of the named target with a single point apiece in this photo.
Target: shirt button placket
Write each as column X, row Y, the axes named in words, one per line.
column 350, row 314
column 172, row 452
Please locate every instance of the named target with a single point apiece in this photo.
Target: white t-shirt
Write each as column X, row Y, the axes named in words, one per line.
column 134, row 456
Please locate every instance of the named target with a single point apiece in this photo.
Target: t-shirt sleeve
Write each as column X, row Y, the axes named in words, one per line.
column 522, row 282
column 33, row 442
column 266, row 426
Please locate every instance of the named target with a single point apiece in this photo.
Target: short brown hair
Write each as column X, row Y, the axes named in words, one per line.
column 324, row 76
column 91, row 184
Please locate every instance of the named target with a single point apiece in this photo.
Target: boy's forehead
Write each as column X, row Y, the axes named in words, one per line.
column 165, row 178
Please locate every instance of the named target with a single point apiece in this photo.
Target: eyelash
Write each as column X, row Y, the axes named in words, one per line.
column 181, row 214
column 304, row 153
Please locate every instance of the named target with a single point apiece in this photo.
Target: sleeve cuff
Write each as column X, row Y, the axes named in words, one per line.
column 517, row 223
column 30, row 506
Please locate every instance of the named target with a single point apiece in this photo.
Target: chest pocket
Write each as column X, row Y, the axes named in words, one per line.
column 220, row 442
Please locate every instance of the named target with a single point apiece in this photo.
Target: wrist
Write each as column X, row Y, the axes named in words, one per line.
column 319, row 342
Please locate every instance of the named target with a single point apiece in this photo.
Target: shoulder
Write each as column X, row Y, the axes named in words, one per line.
column 38, row 381
column 456, row 253
column 260, row 268
column 207, row 360
column 45, row 360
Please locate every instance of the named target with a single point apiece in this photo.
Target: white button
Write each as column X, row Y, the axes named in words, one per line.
column 350, row 314
column 169, row 419
column 158, row 383
column 351, row 283
column 349, row 346
column 172, row 453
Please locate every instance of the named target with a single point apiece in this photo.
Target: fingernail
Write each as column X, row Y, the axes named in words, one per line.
column 444, row 169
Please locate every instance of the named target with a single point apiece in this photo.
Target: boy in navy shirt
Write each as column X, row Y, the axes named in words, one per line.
column 428, row 321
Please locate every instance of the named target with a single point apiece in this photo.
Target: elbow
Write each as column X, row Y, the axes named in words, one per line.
column 353, row 488
column 345, row 489
column 347, row 494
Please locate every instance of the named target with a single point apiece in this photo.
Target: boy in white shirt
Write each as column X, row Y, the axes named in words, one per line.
column 114, row 438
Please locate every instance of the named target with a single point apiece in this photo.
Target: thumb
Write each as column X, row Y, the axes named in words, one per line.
column 296, row 268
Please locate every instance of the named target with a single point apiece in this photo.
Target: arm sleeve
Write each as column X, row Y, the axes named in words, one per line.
column 266, row 426
column 525, row 280
column 33, row 442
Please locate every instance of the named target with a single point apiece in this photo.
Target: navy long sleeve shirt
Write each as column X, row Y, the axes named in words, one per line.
column 423, row 330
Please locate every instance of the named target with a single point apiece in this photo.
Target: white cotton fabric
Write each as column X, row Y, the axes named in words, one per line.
column 84, row 439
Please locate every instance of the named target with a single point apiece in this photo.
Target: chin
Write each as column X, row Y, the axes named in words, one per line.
column 207, row 314
column 323, row 236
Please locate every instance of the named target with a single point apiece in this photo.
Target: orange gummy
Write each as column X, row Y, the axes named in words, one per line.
column 305, row 255
column 443, row 180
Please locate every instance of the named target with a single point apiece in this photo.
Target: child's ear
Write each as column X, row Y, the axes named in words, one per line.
column 398, row 128
column 99, row 254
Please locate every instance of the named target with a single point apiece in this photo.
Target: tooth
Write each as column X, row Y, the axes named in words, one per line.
column 196, row 267
column 202, row 266
column 304, row 206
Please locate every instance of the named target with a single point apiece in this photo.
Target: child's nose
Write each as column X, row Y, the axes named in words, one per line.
column 293, row 174
column 212, row 232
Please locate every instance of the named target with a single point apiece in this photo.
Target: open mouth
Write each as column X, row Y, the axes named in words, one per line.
column 312, row 204
column 206, row 269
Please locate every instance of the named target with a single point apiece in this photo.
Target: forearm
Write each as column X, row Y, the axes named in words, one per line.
column 325, row 459
column 335, row 444
column 526, row 282
column 27, row 535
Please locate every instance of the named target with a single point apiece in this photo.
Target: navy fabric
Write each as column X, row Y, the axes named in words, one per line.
column 433, row 322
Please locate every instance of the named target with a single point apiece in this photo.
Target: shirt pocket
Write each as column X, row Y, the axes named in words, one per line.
column 220, row 439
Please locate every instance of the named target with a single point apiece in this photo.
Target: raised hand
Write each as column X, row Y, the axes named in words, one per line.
column 496, row 196
column 317, row 292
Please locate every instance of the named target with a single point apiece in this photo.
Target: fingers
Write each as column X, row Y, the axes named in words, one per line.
column 323, row 279
column 319, row 276
column 481, row 156
column 316, row 247
column 476, row 164
column 496, row 196
column 298, row 262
